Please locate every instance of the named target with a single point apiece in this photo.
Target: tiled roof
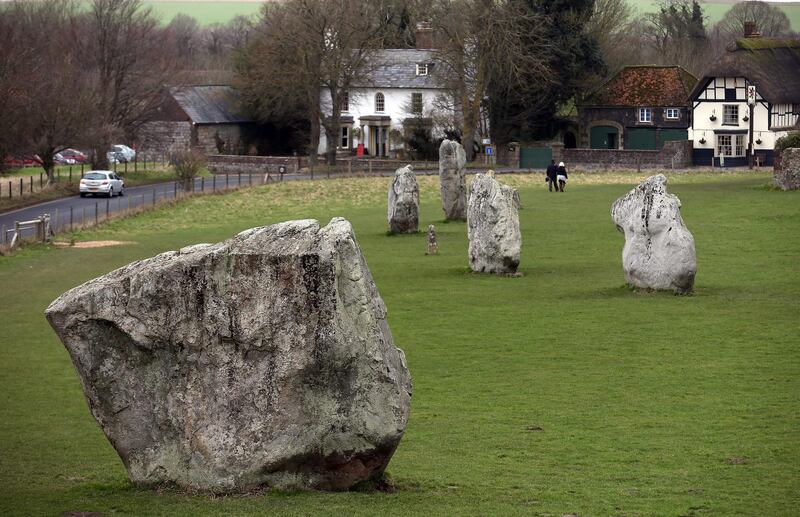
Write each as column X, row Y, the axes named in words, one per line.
column 396, row 68
column 773, row 65
column 210, row 104
column 645, row 86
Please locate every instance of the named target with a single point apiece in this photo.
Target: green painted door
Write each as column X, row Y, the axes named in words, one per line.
column 673, row 134
column 641, row 138
column 603, row 137
column 535, row 157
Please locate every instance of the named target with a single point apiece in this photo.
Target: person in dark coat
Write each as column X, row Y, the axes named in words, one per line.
column 561, row 176
column 552, row 172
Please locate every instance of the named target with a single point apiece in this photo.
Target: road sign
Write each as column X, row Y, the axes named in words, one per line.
column 489, row 150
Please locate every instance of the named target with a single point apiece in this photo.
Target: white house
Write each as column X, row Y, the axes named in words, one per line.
column 400, row 86
column 720, row 130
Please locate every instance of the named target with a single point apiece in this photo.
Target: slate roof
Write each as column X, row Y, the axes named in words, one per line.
column 772, row 64
column 396, row 68
column 645, row 85
column 210, row 104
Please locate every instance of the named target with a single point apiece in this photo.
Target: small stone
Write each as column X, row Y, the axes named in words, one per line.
column 452, row 180
column 404, row 202
column 788, row 177
column 659, row 250
column 433, row 244
column 493, row 227
column 262, row 361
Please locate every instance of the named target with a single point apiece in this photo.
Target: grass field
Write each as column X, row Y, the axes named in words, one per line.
column 557, row 393
column 221, row 12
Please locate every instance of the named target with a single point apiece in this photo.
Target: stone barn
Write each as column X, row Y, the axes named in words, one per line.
column 207, row 117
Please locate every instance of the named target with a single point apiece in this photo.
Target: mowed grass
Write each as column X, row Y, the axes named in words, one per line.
column 559, row 392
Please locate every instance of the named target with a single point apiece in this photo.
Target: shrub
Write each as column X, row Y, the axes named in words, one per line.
column 187, row 165
column 790, row 140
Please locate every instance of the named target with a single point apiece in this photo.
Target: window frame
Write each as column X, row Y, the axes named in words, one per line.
column 422, row 69
column 344, row 102
column 649, row 115
column 380, row 103
column 677, row 112
column 414, row 105
column 344, row 138
column 733, row 120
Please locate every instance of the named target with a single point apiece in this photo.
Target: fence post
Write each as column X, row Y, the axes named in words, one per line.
column 202, row 183
column 96, row 210
column 108, row 202
column 54, row 224
column 227, row 180
column 239, row 180
column 115, row 166
column 250, row 180
column 175, row 190
column 83, row 216
column 40, row 180
column 126, row 167
column 81, row 169
column 58, row 174
column 20, row 186
column 70, row 219
column 70, row 173
column 214, row 183
column 31, row 184
column 136, row 163
column 10, row 189
column 16, row 234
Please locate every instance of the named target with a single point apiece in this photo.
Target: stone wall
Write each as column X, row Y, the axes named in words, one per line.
column 165, row 136
column 233, row 164
column 677, row 154
column 788, row 176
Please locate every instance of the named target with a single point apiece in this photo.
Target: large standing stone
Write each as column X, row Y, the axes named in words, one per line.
column 404, row 202
column 788, row 178
column 659, row 249
column 493, row 227
column 264, row 360
column 452, row 180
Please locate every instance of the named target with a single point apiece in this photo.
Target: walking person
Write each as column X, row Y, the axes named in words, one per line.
column 552, row 171
column 561, row 176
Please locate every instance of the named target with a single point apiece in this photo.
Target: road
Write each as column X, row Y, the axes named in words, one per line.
column 76, row 210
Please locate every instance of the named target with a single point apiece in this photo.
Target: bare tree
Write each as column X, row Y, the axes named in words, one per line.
column 304, row 48
column 126, row 53
column 485, row 44
column 770, row 20
column 52, row 108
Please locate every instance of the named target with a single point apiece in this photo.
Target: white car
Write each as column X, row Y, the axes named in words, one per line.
column 122, row 153
column 102, row 182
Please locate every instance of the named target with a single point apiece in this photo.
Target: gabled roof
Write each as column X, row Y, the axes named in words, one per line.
column 645, row 85
column 772, row 64
column 210, row 104
column 396, row 68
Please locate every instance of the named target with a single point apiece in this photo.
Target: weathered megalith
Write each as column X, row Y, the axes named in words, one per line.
column 493, row 227
column 452, row 180
column 788, row 177
column 404, row 201
column 264, row 360
column 659, row 249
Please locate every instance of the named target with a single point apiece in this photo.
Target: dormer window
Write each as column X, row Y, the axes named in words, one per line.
column 380, row 103
column 422, row 68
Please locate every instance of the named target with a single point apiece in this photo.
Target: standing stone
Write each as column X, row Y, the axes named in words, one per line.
column 452, row 180
column 493, row 227
column 433, row 244
column 659, row 249
column 404, row 201
column 264, row 360
column 788, row 177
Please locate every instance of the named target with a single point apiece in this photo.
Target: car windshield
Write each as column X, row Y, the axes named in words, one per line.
column 95, row 176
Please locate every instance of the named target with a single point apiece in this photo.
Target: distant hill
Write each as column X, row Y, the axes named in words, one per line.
column 212, row 12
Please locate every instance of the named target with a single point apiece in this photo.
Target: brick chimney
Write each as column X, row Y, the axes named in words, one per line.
column 424, row 36
column 751, row 30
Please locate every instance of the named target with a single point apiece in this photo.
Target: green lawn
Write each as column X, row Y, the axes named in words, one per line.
column 559, row 392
